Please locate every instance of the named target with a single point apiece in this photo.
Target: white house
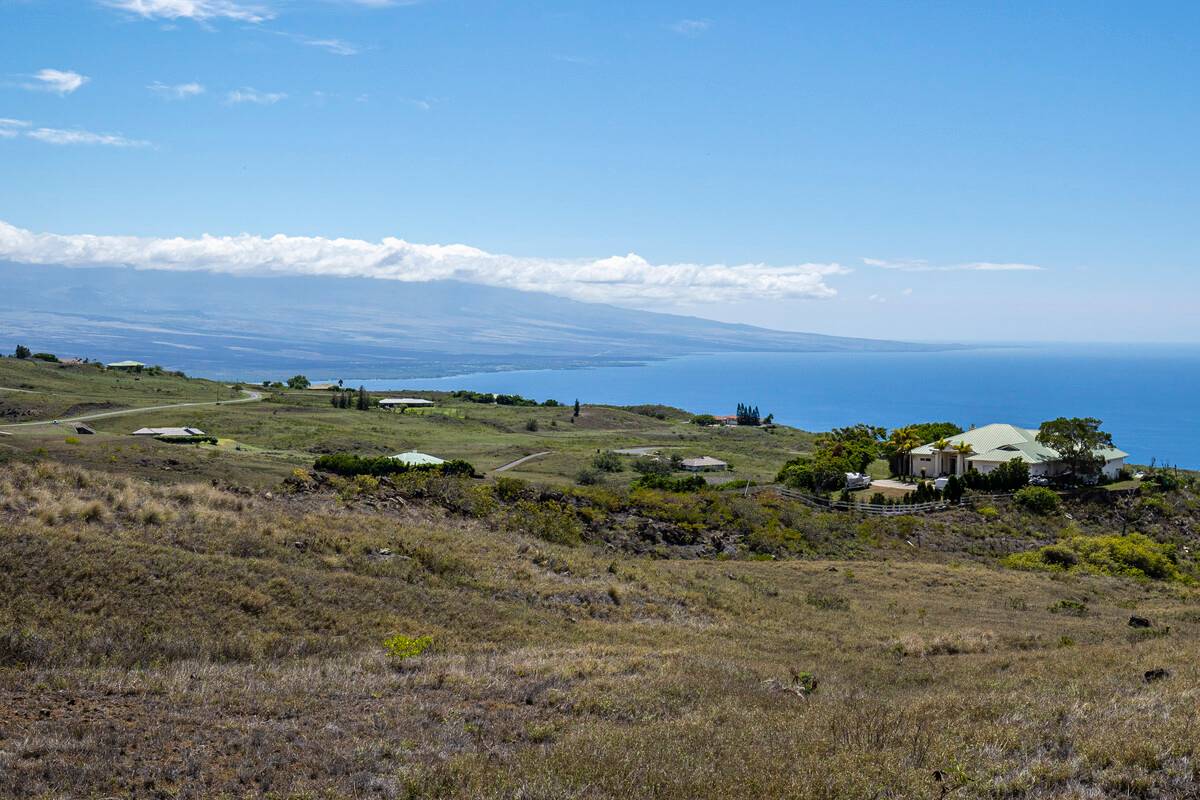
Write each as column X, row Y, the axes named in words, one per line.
column 704, row 464
column 130, row 365
column 392, row 403
column 415, row 459
column 986, row 448
column 168, row 432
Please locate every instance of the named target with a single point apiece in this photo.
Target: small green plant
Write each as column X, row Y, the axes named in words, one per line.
column 1072, row 607
column 401, row 648
column 1037, row 499
column 72, row 440
column 608, row 461
column 988, row 512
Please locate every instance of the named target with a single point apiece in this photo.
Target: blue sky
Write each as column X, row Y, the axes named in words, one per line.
column 923, row 156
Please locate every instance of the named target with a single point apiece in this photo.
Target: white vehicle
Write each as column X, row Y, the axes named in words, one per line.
column 941, row 483
column 857, row 480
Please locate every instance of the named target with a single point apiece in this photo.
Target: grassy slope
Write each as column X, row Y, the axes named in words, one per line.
column 196, row 642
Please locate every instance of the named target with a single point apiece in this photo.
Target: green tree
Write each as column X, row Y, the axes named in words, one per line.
column 298, row 382
column 575, row 412
column 608, row 461
column 22, row 352
column 897, row 447
column 704, row 420
column 364, row 402
column 1037, row 499
column 1076, row 440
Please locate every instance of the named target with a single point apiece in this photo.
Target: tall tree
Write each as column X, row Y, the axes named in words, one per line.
column 22, row 352
column 1076, row 440
column 364, row 402
column 575, row 413
column 298, row 382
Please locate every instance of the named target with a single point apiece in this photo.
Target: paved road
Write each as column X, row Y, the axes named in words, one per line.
column 520, row 461
column 251, row 396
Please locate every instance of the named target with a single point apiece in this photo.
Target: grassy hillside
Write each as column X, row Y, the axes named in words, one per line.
column 179, row 640
column 209, row 621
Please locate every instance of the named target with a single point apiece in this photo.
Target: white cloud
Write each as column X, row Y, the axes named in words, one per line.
column 251, row 95
column 198, row 10
column 690, row 27
column 63, row 136
column 178, row 91
column 917, row 265
column 61, row 81
column 628, row 279
column 12, row 128
column 877, row 298
column 336, row 46
column 906, row 292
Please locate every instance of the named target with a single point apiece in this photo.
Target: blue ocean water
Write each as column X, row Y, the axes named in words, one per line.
column 1147, row 395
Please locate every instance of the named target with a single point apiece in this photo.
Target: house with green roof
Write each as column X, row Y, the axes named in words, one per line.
column 984, row 449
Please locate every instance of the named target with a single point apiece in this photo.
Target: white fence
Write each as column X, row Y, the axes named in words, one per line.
column 881, row 509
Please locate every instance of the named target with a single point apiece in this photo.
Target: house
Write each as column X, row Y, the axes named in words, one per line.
column 984, row 449
column 132, row 366
column 168, row 432
column 726, row 419
column 392, row 403
column 81, row 428
column 704, row 464
column 415, row 459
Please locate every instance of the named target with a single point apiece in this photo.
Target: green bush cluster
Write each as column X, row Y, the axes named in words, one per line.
column 401, row 648
column 1037, row 499
column 665, row 483
column 197, row 439
column 349, row 465
column 1133, row 556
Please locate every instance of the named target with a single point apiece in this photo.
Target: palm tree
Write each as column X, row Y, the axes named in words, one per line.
column 900, row 444
column 964, row 450
column 939, row 446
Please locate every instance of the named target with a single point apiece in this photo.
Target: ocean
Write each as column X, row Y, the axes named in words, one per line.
column 1148, row 396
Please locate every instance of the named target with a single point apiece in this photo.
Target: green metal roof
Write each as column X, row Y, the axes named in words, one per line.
column 1002, row 442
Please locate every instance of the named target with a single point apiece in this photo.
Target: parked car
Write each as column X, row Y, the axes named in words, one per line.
column 941, row 483
column 1039, row 480
column 857, row 480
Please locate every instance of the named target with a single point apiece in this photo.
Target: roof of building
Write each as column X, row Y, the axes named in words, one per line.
column 168, row 432
column 704, row 461
column 1003, row 442
column 415, row 458
column 125, row 364
column 407, row 401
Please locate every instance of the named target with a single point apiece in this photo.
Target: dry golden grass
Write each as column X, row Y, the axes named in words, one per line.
column 185, row 641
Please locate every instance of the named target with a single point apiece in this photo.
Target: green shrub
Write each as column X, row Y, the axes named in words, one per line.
column 691, row 483
column 1133, row 556
column 1037, row 499
column 400, row 648
column 349, row 465
column 608, row 462
column 549, row 520
column 988, row 512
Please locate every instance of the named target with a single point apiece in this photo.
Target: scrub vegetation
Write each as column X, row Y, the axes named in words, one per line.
column 171, row 629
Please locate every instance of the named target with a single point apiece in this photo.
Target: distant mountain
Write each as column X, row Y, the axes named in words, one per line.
column 253, row 327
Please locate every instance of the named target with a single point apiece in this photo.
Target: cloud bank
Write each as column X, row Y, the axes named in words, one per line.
column 626, row 280
column 248, row 94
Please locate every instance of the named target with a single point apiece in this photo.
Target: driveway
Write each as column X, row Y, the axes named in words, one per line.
column 888, row 483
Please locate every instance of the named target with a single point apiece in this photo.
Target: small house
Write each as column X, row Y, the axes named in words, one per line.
column 171, row 432
column 704, row 464
column 414, row 459
column 131, row 366
column 393, row 403
column 726, row 419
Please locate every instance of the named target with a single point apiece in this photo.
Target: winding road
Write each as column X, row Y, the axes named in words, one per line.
column 520, row 461
column 251, row 397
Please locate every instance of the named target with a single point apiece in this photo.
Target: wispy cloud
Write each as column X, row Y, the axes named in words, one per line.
column 917, row 265
column 338, row 47
column 178, row 91
column 13, row 128
column 198, row 10
column 690, row 27
column 627, row 279
column 78, row 136
column 251, row 95
column 59, row 81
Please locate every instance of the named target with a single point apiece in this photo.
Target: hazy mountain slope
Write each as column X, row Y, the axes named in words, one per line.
column 224, row 325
